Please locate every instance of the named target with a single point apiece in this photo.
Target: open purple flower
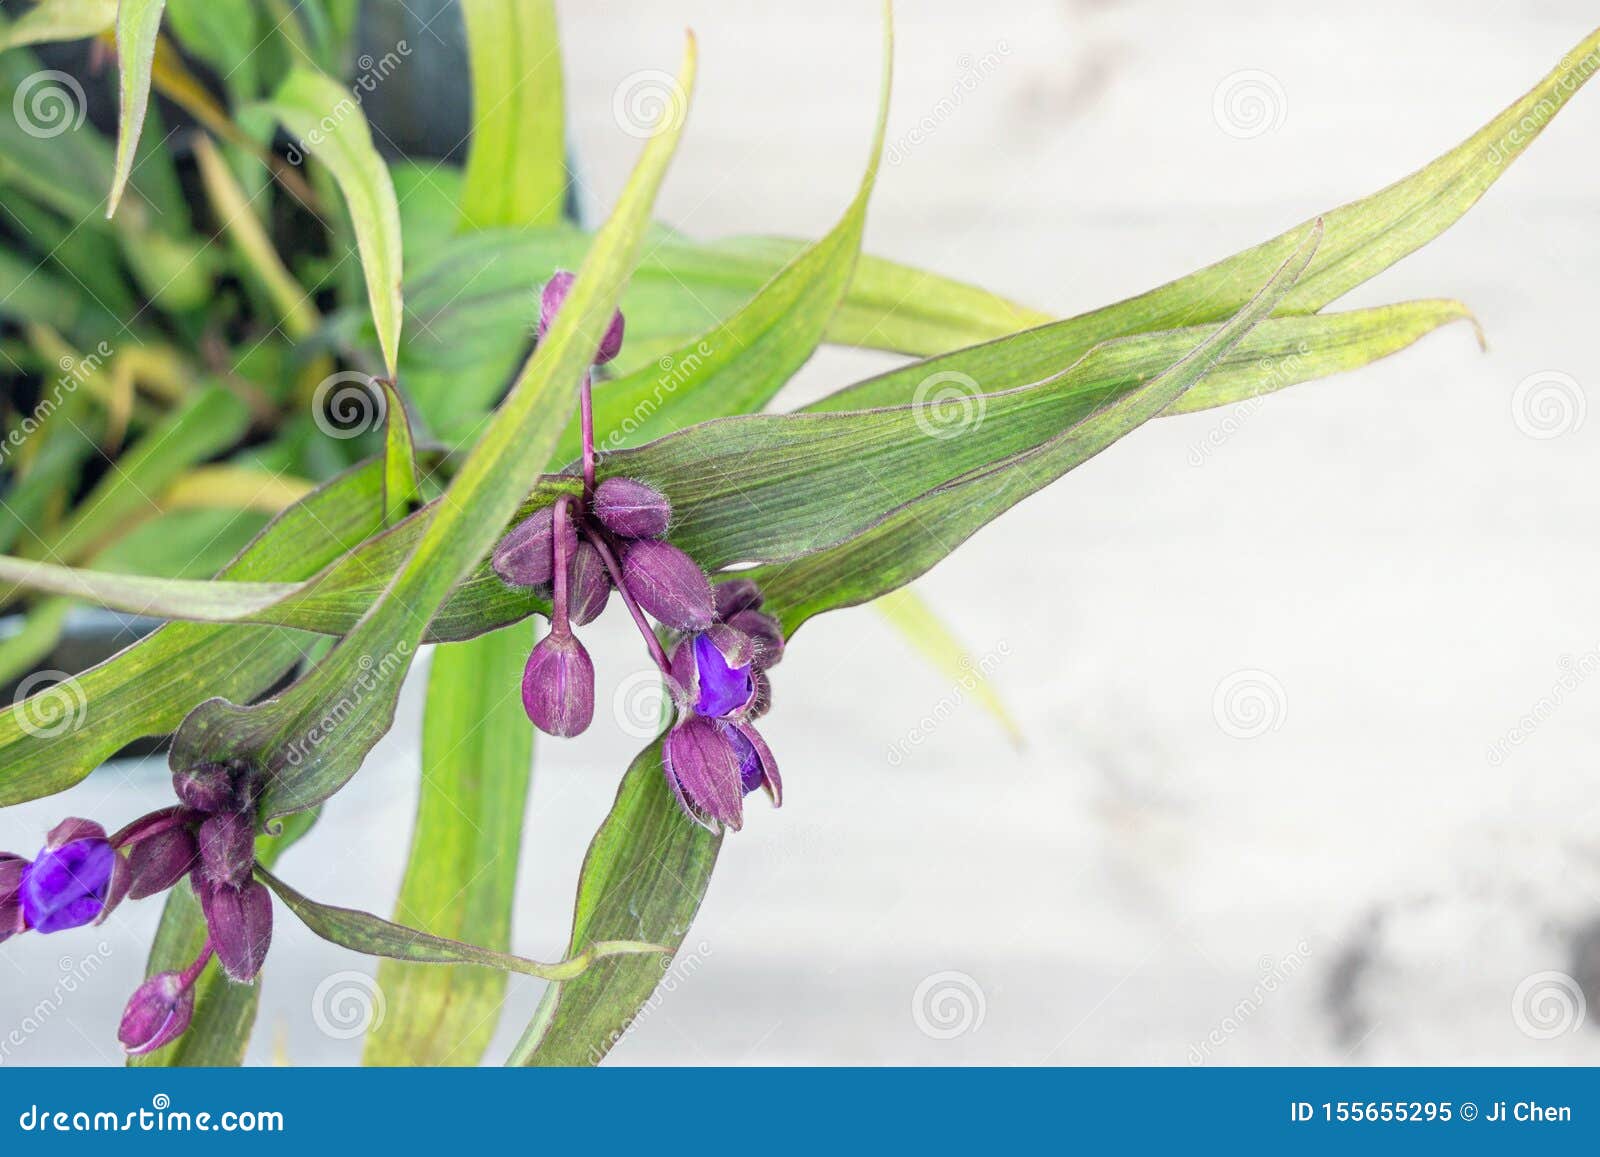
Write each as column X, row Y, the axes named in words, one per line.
column 77, row 879
column 713, row 757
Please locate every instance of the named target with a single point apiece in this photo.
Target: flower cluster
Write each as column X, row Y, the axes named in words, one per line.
column 718, row 644
column 81, row 875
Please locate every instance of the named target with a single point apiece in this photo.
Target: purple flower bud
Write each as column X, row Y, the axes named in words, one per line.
column 550, row 302
column 526, row 556
column 588, row 584
column 703, row 771
column 668, row 585
column 757, row 768
column 76, row 879
column 157, row 1014
column 227, row 848
column 240, row 923
column 558, row 686
column 11, row 870
column 160, row 861
column 737, row 595
column 631, row 508
column 207, row 787
column 764, row 632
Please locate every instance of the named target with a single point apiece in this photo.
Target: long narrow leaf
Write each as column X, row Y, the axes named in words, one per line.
column 138, row 25
column 461, row 876
column 516, row 167
column 328, row 122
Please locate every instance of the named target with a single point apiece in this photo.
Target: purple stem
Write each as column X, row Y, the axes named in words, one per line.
column 559, row 625
column 191, row 974
column 586, row 412
column 609, row 557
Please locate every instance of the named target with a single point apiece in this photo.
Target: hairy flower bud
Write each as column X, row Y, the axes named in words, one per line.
column 227, row 848
column 558, row 686
column 669, row 585
column 160, row 861
column 631, row 508
column 207, row 787
column 588, row 584
column 526, row 556
column 766, row 634
column 550, row 302
column 737, row 595
column 157, row 1014
column 240, row 923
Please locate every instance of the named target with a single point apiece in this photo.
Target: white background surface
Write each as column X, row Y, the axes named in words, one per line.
column 1390, row 547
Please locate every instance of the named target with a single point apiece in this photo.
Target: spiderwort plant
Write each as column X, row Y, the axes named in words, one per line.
column 832, row 508
column 610, row 536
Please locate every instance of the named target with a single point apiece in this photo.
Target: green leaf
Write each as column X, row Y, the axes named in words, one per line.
column 224, row 1012
column 365, row 933
column 329, row 123
column 770, row 488
column 400, row 484
column 461, row 877
column 516, row 166
column 780, row 486
column 312, row 739
column 912, row 538
column 926, row 633
column 646, row 872
column 55, row 20
column 148, row 688
column 138, row 25
column 903, row 309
